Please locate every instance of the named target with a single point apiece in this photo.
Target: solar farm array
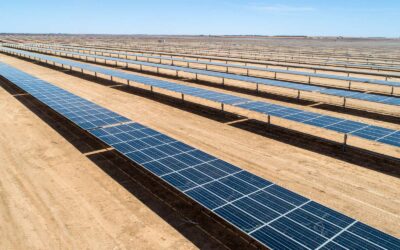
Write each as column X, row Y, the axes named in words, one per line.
column 267, row 213
column 342, row 126
column 274, row 216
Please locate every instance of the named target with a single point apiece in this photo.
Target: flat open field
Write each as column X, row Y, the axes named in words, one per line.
column 56, row 193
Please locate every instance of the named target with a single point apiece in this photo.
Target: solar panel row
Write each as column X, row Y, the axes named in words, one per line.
column 389, row 100
column 362, row 130
column 255, row 61
column 302, row 73
column 259, row 57
column 272, row 215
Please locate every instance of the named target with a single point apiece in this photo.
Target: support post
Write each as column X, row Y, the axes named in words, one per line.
column 222, row 106
column 344, row 102
column 344, row 142
column 111, row 77
column 183, row 97
column 349, row 84
column 298, row 95
column 392, row 92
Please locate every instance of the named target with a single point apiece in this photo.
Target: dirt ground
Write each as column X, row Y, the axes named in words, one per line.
column 53, row 196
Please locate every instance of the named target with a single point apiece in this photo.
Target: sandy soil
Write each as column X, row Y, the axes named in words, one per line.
column 52, row 196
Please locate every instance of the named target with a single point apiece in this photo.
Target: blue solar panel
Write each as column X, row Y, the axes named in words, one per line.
column 345, row 78
column 276, row 83
column 275, row 239
column 237, row 217
column 205, row 198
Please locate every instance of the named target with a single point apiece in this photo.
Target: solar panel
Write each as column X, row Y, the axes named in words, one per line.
column 286, row 64
column 338, row 77
column 275, row 83
column 83, row 113
column 358, row 129
column 272, row 215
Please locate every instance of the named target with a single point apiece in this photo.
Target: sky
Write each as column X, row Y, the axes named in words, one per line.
column 365, row 18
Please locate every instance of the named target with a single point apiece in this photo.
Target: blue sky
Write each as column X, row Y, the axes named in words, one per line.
column 216, row 17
